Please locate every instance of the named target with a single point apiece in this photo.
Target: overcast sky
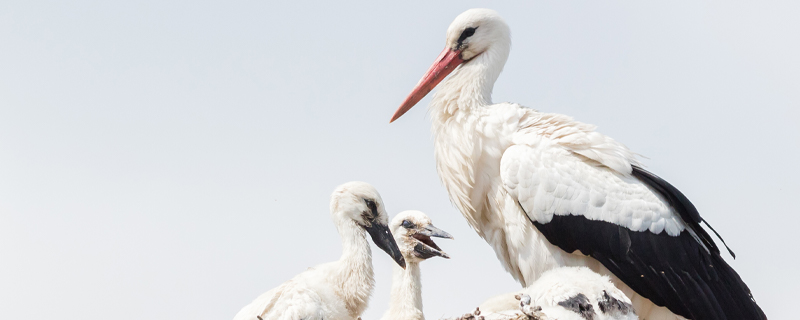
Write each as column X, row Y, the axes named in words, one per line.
column 174, row 160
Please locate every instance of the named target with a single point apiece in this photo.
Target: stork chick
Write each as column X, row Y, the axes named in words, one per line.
column 412, row 232
column 339, row 289
column 566, row 293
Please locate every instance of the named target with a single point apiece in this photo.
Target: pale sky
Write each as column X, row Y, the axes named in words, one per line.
column 174, row 160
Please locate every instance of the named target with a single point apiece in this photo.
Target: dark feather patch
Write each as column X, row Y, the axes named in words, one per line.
column 682, row 205
column 579, row 304
column 468, row 32
column 676, row 272
column 610, row 305
column 373, row 207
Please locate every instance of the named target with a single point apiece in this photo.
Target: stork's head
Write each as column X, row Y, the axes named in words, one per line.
column 474, row 32
column 413, row 231
column 358, row 202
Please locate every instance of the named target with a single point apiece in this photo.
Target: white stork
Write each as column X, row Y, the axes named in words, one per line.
column 546, row 191
column 412, row 231
column 339, row 289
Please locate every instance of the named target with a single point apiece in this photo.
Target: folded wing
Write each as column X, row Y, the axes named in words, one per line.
column 637, row 225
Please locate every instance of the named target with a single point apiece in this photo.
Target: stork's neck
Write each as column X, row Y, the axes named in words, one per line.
column 406, row 298
column 355, row 277
column 455, row 114
column 470, row 86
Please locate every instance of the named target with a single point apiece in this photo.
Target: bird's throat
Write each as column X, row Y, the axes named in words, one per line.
column 406, row 297
column 469, row 86
column 355, row 273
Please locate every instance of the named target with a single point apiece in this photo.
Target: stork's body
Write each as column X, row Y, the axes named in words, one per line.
column 338, row 290
column 547, row 191
column 483, row 198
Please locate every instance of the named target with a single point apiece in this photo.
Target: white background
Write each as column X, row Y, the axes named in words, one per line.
column 174, row 160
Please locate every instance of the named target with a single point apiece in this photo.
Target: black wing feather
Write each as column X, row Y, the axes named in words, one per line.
column 682, row 205
column 689, row 277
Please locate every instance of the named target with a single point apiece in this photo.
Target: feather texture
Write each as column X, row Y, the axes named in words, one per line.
column 547, row 191
column 566, row 293
column 338, row 290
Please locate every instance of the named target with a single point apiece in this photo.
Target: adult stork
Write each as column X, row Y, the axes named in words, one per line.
column 546, row 191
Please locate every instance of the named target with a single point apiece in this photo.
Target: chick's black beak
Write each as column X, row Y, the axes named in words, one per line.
column 432, row 231
column 425, row 247
column 383, row 238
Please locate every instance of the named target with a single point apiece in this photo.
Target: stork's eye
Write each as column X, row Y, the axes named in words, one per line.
column 408, row 224
column 372, row 207
column 468, row 32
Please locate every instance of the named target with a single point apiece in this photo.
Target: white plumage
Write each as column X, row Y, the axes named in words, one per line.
column 549, row 180
column 567, row 293
column 339, row 289
column 412, row 231
column 511, row 170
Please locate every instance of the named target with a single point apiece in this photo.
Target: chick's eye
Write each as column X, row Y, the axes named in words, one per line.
column 468, row 32
column 408, row 224
column 372, row 206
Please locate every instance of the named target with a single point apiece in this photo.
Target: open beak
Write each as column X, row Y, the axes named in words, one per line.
column 447, row 61
column 383, row 238
column 425, row 247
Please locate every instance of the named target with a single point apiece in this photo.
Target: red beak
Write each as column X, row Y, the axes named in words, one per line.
column 447, row 61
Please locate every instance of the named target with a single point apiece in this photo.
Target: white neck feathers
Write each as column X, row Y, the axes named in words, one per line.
column 354, row 278
column 455, row 111
column 406, row 298
column 471, row 84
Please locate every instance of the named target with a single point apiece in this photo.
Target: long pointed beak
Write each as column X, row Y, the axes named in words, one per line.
column 383, row 238
column 427, row 252
column 447, row 61
column 432, row 231
column 426, row 248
